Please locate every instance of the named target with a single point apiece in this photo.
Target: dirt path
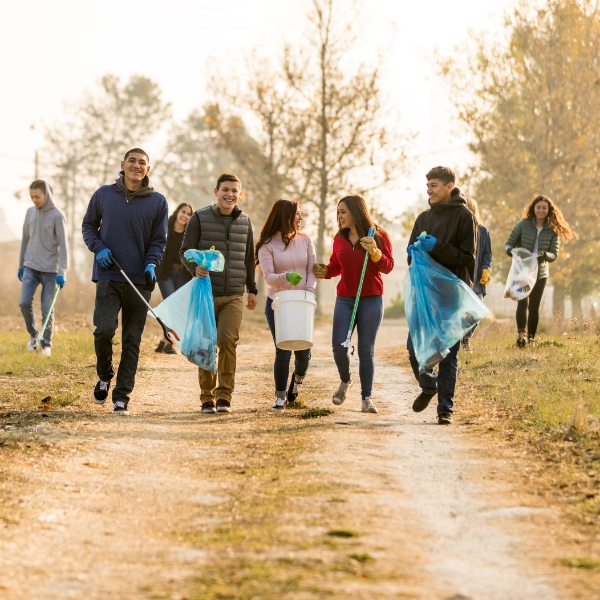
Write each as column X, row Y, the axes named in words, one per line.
column 169, row 503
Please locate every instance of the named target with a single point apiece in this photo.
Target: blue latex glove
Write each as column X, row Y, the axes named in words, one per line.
column 60, row 280
column 20, row 274
column 103, row 258
column 410, row 249
column 427, row 242
column 150, row 276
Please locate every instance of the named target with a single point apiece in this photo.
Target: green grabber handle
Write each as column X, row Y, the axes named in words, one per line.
column 348, row 343
column 41, row 335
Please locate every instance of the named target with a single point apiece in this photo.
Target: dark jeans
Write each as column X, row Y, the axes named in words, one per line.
column 368, row 320
column 31, row 280
column 281, row 367
column 112, row 297
column 443, row 382
column 532, row 302
column 177, row 278
column 470, row 333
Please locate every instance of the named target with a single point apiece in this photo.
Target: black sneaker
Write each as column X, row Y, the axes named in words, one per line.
column 120, row 408
column 208, row 407
column 161, row 346
column 101, row 391
column 521, row 341
column 223, row 406
column 445, row 419
column 168, row 349
column 422, row 401
column 294, row 389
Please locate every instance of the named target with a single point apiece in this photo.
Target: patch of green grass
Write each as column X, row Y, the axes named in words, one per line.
column 590, row 564
column 315, row 413
column 342, row 533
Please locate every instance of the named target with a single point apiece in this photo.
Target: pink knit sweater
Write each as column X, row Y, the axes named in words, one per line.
column 276, row 260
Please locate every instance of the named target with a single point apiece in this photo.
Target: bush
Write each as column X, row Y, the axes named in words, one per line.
column 396, row 309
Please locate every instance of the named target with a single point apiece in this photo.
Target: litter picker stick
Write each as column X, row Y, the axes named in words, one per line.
column 348, row 343
column 166, row 330
column 45, row 324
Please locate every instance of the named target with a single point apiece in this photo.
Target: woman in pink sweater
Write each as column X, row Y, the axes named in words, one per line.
column 282, row 251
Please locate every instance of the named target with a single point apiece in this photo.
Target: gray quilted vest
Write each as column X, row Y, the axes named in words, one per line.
column 231, row 281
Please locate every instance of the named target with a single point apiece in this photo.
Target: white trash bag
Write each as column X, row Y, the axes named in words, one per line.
column 522, row 275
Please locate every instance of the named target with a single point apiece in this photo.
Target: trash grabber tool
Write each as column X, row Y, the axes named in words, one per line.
column 45, row 324
column 167, row 331
column 348, row 343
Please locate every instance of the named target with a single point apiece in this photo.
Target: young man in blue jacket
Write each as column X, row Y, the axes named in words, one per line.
column 128, row 220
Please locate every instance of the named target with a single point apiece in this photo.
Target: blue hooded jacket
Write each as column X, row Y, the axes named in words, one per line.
column 133, row 225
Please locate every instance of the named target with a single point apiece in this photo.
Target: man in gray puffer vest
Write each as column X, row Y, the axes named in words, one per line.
column 227, row 228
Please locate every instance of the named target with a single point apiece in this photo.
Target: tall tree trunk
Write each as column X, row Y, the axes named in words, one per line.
column 320, row 250
column 558, row 304
column 577, row 308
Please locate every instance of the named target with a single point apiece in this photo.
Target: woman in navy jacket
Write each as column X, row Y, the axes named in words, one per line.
column 483, row 263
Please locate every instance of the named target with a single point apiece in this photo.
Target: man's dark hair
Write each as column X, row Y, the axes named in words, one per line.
column 228, row 177
column 136, row 151
column 445, row 174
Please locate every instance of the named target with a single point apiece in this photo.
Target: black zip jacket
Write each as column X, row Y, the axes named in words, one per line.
column 453, row 226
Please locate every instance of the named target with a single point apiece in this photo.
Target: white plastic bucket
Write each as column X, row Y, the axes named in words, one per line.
column 294, row 319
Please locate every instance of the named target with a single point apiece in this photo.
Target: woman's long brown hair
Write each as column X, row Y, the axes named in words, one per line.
column 280, row 220
column 362, row 217
column 173, row 217
column 556, row 220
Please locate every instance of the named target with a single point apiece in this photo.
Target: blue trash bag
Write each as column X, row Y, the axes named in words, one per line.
column 199, row 342
column 440, row 308
column 211, row 259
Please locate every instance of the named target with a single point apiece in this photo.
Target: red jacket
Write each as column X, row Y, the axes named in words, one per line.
column 348, row 260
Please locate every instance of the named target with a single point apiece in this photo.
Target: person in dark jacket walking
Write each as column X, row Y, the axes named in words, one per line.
column 171, row 274
column 227, row 228
column 451, row 240
column 483, row 263
column 539, row 231
column 127, row 219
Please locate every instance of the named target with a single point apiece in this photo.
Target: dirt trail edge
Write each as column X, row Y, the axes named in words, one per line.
column 169, row 503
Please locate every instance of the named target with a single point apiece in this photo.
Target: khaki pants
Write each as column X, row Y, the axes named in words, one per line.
column 228, row 314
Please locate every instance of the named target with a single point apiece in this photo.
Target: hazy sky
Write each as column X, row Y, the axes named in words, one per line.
column 50, row 52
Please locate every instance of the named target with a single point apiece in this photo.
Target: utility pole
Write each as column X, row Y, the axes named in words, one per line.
column 37, row 164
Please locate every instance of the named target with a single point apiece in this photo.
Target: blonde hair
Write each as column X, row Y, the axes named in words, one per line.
column 474, row 208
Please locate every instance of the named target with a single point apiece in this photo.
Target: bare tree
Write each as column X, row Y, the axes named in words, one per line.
column 318, row 118
column 84, row 148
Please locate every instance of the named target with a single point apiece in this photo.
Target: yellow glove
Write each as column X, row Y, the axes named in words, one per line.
column 485, row 277
column 320, row 271
column 368, row 244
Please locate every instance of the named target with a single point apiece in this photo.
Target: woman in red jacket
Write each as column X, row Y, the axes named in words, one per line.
column 349, row 247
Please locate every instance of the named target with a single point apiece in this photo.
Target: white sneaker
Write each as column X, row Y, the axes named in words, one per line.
column 340, row 394
column 45, row 350
column 279, row 405
column 33, row 344
column 368, row 406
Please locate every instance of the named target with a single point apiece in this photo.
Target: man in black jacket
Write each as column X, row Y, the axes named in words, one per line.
column 227, row 228
column 451, row 241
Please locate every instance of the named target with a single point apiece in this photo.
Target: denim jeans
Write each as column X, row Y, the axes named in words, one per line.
column 443, row 382
column 470, row 333
column 31, row 280
column 113, row 297
column 367, row 322
column 281, row 367
column 177, row 278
